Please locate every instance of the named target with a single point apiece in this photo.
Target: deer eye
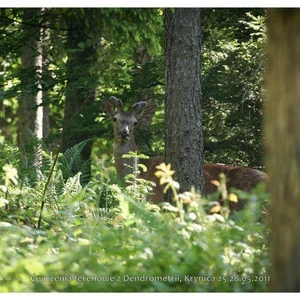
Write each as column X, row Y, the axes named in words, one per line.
column 134, row 123
column 114, row 119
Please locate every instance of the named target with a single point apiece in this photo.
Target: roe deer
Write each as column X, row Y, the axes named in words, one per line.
column 142, row 112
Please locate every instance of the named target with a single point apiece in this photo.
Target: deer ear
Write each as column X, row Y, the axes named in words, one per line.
column 108, row 107
column 138, row 107
column 117, row 102
column 144, row 112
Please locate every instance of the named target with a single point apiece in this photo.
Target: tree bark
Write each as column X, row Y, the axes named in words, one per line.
column 283, row 146
column 183, row 131
column 27, row 102
column 45, row 49
column 39, row 63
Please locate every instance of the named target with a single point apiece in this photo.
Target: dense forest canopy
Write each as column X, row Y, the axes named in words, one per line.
column 128, row 62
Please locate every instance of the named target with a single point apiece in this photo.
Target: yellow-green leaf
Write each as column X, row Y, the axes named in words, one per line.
column 232, row 197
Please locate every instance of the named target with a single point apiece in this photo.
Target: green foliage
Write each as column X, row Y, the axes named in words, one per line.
column 135, row 247
column 138, row 188
column 115, row 34
column 24, row 197
column 72, row 162
column 233, row 67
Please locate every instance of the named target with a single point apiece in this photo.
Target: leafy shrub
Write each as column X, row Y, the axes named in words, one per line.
column 134, row 247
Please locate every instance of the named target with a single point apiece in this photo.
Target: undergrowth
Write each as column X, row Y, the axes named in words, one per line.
column 103, row 237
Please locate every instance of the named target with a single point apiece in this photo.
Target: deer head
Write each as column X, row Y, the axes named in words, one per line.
column 125, row 121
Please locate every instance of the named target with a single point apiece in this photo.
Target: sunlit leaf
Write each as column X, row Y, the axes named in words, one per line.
column 3, row 202
column 215, row 182
column 232, row 197
column 215, row 209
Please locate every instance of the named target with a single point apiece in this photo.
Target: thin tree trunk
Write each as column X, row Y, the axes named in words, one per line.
column 45, row 44
column 29, row 112
column 38, row 128
column 283, row 146
column 27, row 100
column 184, row 141
column 79, row 112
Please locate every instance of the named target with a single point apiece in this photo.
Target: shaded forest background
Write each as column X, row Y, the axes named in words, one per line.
column 58, row 64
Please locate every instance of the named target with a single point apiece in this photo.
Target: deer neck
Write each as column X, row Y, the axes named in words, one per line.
column 123, row 147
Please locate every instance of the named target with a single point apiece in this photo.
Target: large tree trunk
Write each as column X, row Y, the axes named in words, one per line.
column 183, row 141
column 283, row 146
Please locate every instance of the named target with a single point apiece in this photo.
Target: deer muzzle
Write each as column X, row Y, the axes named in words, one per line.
column 125, row 133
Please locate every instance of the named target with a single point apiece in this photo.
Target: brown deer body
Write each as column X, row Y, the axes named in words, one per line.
column 142, row 112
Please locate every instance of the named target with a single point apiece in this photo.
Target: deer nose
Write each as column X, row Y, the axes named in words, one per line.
column 125, row 132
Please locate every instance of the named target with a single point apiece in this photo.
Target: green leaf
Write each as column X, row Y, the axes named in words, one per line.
column 81, row 45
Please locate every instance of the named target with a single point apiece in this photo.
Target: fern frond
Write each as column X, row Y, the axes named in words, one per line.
column 72, row 162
